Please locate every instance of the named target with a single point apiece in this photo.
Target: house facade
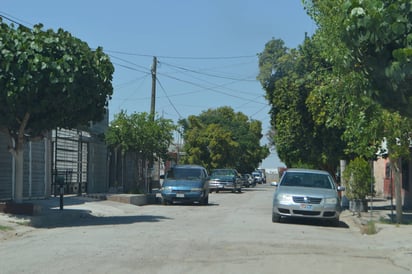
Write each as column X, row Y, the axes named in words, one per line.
column 384, row 181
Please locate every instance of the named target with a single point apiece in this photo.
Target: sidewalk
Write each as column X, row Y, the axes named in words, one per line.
column 381, row 211
column 77, row 210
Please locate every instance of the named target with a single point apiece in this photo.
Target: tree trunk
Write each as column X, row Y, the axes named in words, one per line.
column 19, row 161
column 398, row 189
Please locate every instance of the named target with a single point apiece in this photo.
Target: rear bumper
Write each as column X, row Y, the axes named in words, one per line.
column 183, row 197
column 223, row 185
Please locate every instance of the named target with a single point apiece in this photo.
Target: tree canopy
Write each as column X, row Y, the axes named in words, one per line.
column 141, row 133
column 50, row 79
column 377, row 37
column 289, row 77
column 219, row 138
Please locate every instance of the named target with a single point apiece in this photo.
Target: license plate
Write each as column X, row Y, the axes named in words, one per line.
column 158, row 195
column 180, row 195
column 306, row 206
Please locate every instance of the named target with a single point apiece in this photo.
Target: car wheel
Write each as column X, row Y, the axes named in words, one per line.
column 217, row 190
column 239, row 190
column 165, row 202
column 275, row 218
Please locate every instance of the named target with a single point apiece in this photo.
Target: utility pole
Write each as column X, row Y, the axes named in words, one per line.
column 153, row 100
column 150, row 164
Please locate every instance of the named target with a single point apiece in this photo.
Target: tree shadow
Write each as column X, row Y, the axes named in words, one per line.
column 50, row 214
column 78, row 217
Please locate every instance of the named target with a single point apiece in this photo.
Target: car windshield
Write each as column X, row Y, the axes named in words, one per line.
column 307, row 180
column 183, row 173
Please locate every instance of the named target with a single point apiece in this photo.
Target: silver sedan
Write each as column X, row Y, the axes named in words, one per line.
column 307, row 193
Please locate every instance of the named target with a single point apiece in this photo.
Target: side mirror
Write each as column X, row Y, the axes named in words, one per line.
column 162, row 176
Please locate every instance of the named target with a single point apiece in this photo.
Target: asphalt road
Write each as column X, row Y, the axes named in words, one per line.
column 233, row 234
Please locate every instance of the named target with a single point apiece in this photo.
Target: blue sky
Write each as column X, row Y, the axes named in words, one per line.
column 206, row 49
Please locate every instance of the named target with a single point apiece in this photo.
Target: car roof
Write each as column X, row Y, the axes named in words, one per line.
column 188, row 166
column 306, row 170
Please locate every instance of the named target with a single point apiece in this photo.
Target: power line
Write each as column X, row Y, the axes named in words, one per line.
column 207, row 74
column 183, row 57
column 170, row 101
column 14, row 19
column 131, row 63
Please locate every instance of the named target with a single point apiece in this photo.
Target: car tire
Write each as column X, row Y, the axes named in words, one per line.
column 275, row 218
column 239, row 190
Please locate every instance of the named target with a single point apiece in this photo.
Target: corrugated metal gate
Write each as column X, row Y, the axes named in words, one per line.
column 36, row 171
column 70, row 160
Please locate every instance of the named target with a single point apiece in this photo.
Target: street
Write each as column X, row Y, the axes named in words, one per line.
column 233, row 234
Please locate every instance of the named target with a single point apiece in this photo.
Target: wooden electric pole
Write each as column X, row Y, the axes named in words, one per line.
column 153, row 100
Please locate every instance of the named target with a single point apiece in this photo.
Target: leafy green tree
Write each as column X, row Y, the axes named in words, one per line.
column 299, row 138
column 140, row 133
column 47, row 80
column 220, row 138
column 379, row 36
column 376, row 36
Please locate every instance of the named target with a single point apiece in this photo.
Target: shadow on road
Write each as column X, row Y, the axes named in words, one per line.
column 51, row 216
column 78, row 217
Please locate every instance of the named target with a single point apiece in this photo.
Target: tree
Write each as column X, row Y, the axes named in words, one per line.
column 379, row 35
column 47, row 80
column 139, row 132
column 376, row 37
column 289, row 77
column 222, row 138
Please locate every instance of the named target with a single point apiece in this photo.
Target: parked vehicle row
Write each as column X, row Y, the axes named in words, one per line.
column 301, row 193
column 191, row 183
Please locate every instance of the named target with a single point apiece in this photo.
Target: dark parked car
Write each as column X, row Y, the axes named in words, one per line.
column 248, row 180
column 225, row 179
column 307, row 193
column 186, row 183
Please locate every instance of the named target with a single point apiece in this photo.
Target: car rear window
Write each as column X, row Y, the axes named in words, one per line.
column 184, row 173
column 223, row 172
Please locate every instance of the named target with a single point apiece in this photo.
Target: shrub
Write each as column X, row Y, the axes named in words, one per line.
column 358, row 178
